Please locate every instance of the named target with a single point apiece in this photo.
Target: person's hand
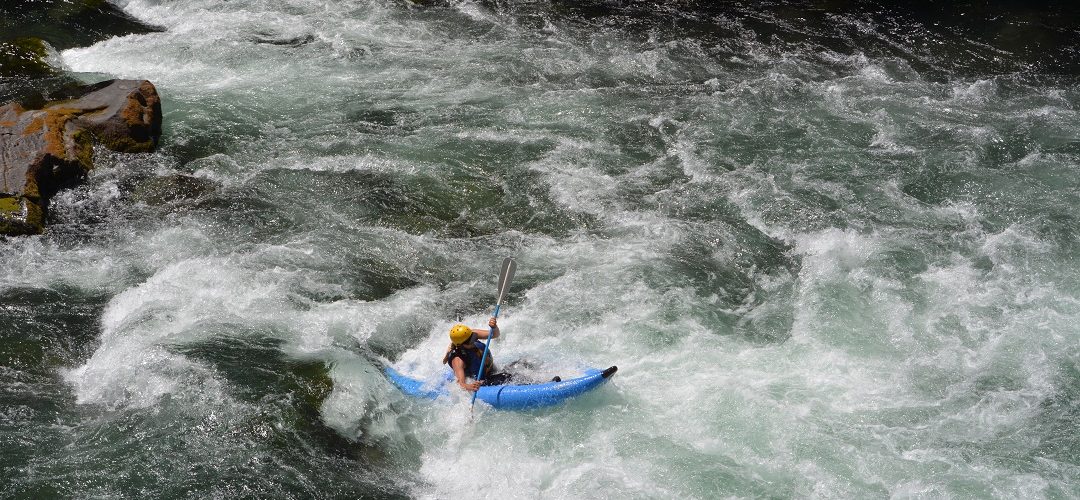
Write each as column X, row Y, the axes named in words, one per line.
column 471, row 386
column 493, row 323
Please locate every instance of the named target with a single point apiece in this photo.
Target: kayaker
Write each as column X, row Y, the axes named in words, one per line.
column 464, row 354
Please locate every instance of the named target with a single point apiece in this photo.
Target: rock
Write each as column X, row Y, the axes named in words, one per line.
column 68, row 23
column 45, row 150
column 25, row 25
column 123, row 115
column 19, row 215
column 270, row 39
column 171, row 188
column 24, row 57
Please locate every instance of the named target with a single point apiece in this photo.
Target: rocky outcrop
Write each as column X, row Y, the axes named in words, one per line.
column 24, row 57
column 67, row 23
column 31, row 30
column 27, row 73
column 44, row 150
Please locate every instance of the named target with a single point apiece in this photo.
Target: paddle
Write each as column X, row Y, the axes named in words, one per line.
column 506, row 274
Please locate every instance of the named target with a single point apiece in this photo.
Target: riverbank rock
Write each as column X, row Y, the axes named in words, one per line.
column 44, row 150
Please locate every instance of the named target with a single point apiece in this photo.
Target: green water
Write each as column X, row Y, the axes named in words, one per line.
column 833, row 250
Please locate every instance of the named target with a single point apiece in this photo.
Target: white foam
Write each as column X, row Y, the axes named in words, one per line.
column 978, row 92
column 574, row 183
column 885, row 371
column 133, row 366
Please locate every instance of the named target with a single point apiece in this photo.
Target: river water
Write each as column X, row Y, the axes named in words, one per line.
column 833, row 253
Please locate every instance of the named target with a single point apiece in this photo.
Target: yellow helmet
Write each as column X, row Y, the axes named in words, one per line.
column 459, row 333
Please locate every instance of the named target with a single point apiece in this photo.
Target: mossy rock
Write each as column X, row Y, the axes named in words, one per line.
column 52, row 148
column 20, row 216
column 25, row 57
column 68, row 23
column 171, row 189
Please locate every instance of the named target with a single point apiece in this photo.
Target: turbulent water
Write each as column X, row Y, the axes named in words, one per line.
column 834, row 253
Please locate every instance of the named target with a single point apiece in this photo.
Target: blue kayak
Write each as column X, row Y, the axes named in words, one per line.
column 507, row 397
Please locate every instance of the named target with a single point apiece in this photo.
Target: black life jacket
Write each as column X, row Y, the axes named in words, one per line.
column 471, row 354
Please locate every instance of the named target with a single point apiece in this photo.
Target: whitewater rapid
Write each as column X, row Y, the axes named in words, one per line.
column 820, row 274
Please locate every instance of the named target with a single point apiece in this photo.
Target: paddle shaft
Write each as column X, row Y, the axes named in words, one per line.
column 505, row 275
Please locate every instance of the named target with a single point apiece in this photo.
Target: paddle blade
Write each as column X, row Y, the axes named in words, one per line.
column 506, row 275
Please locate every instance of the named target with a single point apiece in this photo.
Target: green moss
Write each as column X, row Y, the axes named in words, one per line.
column 32, row 45
column 9, row 205
column 127, row 145
column 67, row 23
column 85, row 149
column 19, row 216
column 24, row 57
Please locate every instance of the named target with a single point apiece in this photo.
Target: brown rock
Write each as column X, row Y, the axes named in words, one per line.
column 42, row 151
column 124, row 115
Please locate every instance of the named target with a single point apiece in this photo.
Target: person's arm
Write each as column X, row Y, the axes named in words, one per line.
column 458, row 365
column 446, row 357
column 492, row 333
